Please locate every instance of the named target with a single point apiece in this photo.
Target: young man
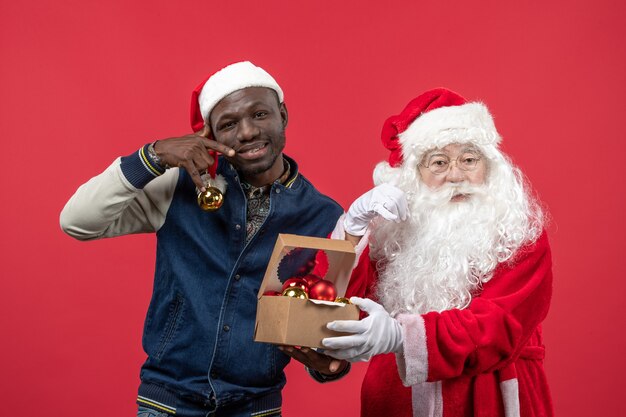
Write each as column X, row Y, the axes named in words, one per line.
column 458, row 260
column 198, row 335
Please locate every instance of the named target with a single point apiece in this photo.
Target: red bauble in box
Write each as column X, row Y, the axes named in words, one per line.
column 272, row 293
column 311, row 279
column 323, row 290
column 296, row 282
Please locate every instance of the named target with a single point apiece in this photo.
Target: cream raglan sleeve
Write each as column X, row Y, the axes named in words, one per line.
column 109, row 205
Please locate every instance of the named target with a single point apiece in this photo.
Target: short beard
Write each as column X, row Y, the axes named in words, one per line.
column 275, row 152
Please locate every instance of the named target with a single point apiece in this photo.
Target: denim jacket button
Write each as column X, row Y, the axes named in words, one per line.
column 237, row 277
column 278, row 191
column 237, row 227
column 226, row 327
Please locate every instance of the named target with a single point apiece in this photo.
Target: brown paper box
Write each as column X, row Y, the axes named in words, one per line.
column 297, row 322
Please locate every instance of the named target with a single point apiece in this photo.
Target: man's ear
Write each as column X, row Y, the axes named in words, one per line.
column 284, row 114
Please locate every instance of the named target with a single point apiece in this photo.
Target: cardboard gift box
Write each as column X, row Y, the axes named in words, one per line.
column 294, row 321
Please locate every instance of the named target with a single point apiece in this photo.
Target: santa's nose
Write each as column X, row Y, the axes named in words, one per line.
column 455, row 174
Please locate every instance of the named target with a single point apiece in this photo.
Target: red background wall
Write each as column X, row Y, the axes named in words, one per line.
column 84, row 81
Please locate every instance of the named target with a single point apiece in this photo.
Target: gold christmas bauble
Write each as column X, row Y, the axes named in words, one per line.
column 295, row 292
column 210, row 200
column 342, row 300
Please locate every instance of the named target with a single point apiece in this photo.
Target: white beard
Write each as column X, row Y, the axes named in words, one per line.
column 439, row 258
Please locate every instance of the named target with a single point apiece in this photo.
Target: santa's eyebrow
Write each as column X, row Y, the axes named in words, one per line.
column 471, row 149
column 436, row 153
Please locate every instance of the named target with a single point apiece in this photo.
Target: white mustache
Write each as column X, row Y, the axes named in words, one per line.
column 444, row 194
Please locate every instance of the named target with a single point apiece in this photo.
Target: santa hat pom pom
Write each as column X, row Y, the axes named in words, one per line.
column 385, row 173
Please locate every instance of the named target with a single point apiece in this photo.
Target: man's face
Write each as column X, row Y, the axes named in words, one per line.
column 252, row 122
column 454, row 164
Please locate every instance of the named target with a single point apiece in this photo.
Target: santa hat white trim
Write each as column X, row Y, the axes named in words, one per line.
column 467, row 123
column 232, row 78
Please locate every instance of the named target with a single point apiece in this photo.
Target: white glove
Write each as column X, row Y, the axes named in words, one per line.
column 377, row 333
column 384, row 200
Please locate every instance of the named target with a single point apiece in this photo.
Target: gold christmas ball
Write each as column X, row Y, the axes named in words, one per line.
column 342, row 300
column 295, row 292
column 211, row 199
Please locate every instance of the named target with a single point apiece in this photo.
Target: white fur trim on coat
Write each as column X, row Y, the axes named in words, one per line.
column 413, row 360
column 339, row 233
column 510, row 397
column 427, row 399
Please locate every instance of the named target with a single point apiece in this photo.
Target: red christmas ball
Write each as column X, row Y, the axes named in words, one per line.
column 323, row 290
column 296, row 282
column 311, row 279
column 272, row 293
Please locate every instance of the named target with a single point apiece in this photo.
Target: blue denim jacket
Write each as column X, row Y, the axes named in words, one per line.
column 199, row 328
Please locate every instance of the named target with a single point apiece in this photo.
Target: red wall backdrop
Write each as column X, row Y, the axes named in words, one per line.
column 84, row 81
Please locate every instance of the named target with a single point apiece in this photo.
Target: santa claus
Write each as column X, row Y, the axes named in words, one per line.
column 455, row 266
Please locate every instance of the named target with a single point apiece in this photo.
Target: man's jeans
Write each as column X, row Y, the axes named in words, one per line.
column 236, row 412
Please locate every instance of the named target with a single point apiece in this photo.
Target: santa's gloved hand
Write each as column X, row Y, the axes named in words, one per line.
column 377, row 333
column 383, row 200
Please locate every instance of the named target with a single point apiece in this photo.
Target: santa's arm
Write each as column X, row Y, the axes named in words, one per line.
column 490, row 332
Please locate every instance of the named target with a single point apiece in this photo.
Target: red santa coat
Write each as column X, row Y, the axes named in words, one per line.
column 484, row 360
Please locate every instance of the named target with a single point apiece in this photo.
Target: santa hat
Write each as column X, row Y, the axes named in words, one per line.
column 227, row 80
column 434, row 119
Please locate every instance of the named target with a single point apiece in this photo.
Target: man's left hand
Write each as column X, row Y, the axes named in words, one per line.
column 315, row 360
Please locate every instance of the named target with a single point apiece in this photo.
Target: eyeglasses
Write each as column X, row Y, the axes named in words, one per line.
column 440, row 163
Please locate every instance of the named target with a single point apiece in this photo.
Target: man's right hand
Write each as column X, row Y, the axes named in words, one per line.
column 384, row 200
column 323, row 364
column 191, row 152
